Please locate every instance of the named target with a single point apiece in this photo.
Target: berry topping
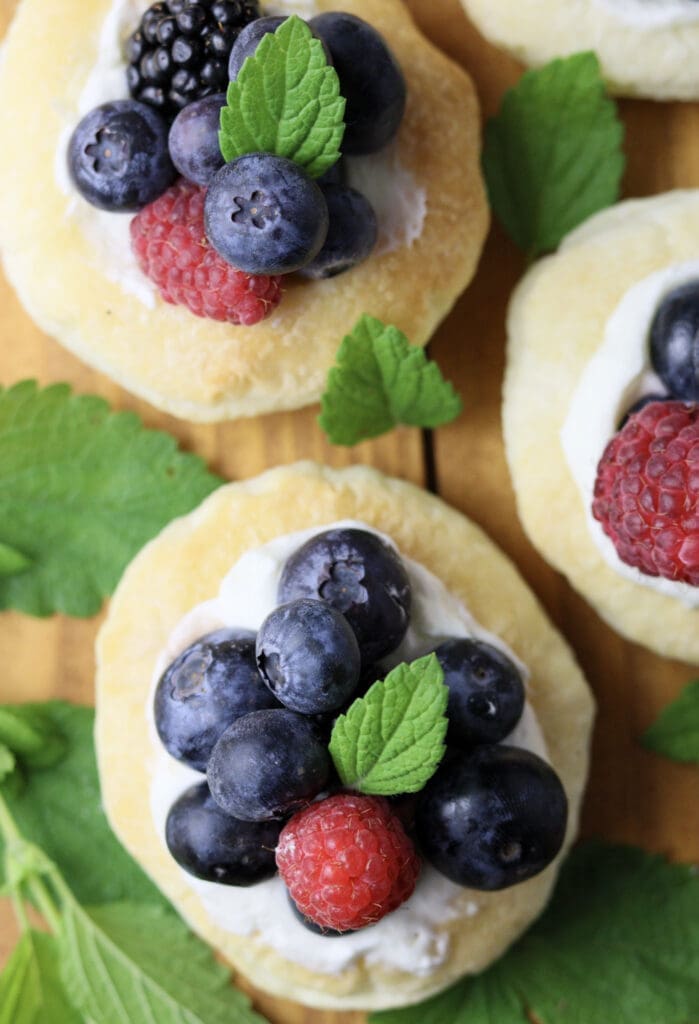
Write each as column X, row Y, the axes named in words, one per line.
column 180, row 51
column 216, row 847
column 492, row 818
column 674, row 342
column 639, row 404
column 647, row 491
column 206, row 688
column 170, row 244
column 193, row 139
column 352, row 233
column 361, row 576
column 486, row 692
column 370, row 80
column 308, row 656
column 265, row 215
column 311, row 926
column 248, row 41
column 118, row 157
column 347, row 861
column 268, row 765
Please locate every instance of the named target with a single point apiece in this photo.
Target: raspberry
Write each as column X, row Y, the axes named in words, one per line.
column 647, row 491
column 347, row 861
column 172, row 249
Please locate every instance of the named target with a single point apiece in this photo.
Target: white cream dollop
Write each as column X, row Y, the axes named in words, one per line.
column 410, row 939
column 617, row 375
column 394, row 192
column 650, row 14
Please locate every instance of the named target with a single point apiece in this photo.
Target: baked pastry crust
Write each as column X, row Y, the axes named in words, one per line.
column 556, row 322
column 658, row 62
column 199, row 369
column 184, row 566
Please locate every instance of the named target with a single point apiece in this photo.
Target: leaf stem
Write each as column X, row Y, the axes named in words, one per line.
column 45, row 903
column 8, row 829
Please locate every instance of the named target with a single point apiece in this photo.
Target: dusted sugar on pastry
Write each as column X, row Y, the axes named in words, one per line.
column 646, row 47
column 265, row 638
column 601, row 416
column 220, row 188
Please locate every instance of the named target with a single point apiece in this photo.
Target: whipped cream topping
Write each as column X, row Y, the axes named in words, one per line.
column 399, row 201
column 649, row 14
column 411, row 938
column 619, row 373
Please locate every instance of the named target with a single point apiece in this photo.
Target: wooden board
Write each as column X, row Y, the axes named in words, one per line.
column 633, row 796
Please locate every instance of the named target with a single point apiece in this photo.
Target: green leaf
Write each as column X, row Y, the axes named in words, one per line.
column 81, row 491
column 553, row 154
column 7, row 762
column 618, row 943
column 381, row 380
column 392, row 739
column 12, row 561
column 60, row 810
column 676, row 732
column 31, row 735
column 31, row 990
column 286, row 100
column 138, row 965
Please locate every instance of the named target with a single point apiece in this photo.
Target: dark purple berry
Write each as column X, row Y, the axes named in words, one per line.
column 352, row 233
column 193, row 140
column 674, row 342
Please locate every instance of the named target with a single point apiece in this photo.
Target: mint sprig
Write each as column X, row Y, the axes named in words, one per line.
column 617, row 943
column 81, row 491
column 553, row 154
column 675, row 734
column 12, row 561
column 381, row 380
column 392, row 739
column 286, row 101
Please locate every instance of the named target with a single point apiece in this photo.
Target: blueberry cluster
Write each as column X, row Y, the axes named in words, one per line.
column 264, row 215
column 254, row 713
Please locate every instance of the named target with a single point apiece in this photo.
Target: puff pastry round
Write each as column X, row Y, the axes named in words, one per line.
column 184, row 566
column 556, row 323
column 195, row 368
column 658, row 61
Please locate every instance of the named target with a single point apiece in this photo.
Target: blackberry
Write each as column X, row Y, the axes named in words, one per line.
column 180, row 51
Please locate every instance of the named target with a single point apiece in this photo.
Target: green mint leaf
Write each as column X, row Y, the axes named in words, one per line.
column 676, row 732
column 60, row 810
column 618, row 942
column 137, row 964
column 31, row 990
column 7, row 762
column 553, row 154
column 31, row 735
column 12, row 561
column 286, row 100
column 381, row 380
column 81, row 491
column 392, row 739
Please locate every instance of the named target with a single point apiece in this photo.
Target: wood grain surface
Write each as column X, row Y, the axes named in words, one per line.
column 633, row 796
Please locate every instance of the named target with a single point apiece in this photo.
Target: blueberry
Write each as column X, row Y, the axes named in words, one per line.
column 216, row 847
column 250, row 38
column 371, row 81
column 334, row 175
column 205, row 689
column 639, row 404
column 317, row 929
column 352, row 233
column 486, row 692
column 264, row 215
column 492, row 818
column 674, row 342
column 118, row 157
column 193, row 139
column 308, row 656
column 359, row 575
column 268, row 764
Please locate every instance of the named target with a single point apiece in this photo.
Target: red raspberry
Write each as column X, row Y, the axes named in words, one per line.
column 647, row 491
column 346, row 861
column 172, row 249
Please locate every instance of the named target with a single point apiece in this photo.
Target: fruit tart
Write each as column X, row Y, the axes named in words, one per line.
column 601, row 417
column 646, row 47
column 247, row 648
column 220, row 286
